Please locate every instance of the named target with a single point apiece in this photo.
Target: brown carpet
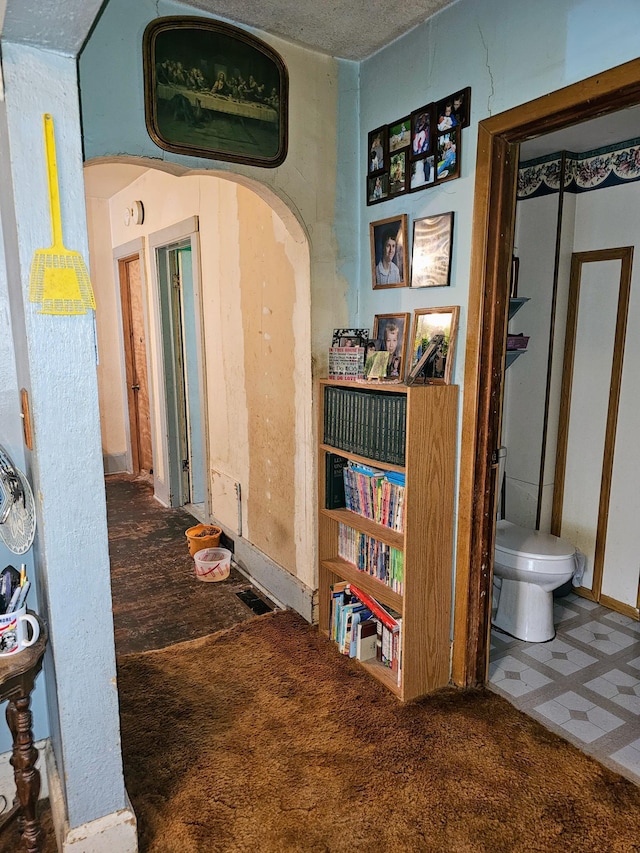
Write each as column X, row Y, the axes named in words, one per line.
column 262, row 738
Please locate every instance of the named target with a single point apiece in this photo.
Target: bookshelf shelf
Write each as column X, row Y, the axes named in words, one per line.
column 379, row 590
column 388, row 466
column 365, row 525
column 429, row 418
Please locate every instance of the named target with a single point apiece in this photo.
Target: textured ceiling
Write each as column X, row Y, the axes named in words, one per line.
column 351, row 29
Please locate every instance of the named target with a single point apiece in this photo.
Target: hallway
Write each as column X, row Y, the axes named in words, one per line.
column 157, row 598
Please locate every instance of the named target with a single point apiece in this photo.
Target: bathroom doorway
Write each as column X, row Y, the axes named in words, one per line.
column 580, row 683
column 493, row 238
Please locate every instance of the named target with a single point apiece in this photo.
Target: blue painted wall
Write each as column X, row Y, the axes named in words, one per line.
column 509, row 53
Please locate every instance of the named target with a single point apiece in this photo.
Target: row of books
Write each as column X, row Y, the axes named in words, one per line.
column 375, row 494
column 365, row 629
column 372, row 557
column 346, row 363
column 369, row 423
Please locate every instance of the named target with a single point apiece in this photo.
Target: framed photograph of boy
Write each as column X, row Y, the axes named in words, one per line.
column 390, row 333
column 448, row 156
column 433, row 342
column 399, row 134
column 377, row 188
column 421, row 131
column 422, row 173
column 389, row 246
column 398, row 173
column 431, row 251
column 378, row 149
column 205, row 82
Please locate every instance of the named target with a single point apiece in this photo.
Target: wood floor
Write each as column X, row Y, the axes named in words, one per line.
column 157, row 598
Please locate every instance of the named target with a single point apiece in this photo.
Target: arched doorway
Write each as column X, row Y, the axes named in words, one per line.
column 253, row 319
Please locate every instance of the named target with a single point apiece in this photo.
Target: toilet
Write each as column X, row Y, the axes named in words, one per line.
column 528, row 566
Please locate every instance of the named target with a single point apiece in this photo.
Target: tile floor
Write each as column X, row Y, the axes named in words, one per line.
column 584, row 684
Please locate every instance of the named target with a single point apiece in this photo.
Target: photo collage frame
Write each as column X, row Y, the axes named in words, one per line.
column 421, row 150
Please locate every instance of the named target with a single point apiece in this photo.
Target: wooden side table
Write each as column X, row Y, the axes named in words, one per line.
column 17, row 676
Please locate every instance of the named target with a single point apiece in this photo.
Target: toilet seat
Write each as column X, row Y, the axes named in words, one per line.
column 531, row 550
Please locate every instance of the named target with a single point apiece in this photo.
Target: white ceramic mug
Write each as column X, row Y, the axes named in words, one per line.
column 14, row 632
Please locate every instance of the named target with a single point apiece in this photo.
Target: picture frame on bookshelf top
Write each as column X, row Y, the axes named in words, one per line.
column 389, row 247
column 390, row 334
column 433, row 344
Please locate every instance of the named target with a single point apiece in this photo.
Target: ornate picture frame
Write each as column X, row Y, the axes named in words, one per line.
column 213, row 90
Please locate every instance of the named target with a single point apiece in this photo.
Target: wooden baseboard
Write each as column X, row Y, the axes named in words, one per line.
column 626, row 609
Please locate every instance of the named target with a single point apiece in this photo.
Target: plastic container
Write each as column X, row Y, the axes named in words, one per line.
column 203, row 536
column 212, row 564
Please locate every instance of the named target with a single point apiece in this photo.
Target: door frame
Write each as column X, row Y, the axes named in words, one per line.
column 167, row 488
column 120, row 254
column 499, row 138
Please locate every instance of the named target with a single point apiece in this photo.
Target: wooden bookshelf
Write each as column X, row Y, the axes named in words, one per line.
column 427, row 540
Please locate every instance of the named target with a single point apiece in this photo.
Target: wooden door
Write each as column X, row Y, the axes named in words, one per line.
column 136, row 364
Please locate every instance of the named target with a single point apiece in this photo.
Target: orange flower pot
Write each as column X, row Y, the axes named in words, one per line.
column 203, row 536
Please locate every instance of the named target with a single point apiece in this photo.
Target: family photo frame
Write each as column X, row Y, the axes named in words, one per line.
column 389, row 252
column 418, row 151
column 213, row 90
column 431, row 251
column 433, row 343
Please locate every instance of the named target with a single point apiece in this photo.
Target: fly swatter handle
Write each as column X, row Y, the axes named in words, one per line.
column 52, row 176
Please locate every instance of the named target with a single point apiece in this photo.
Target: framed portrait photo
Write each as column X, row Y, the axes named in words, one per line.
column 433, row 342
column 390, row 334
column 213, row 90
column 399, row 134
column 378, row 150
column 421, row 131
column 431, row 251
column 389, row 246
column 448, row 155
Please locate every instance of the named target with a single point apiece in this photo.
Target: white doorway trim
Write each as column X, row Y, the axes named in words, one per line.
column 185, row 232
